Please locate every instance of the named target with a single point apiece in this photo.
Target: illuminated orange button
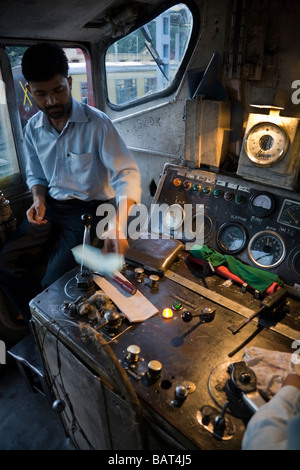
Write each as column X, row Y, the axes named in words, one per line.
column 177, row 182
column 167, row 313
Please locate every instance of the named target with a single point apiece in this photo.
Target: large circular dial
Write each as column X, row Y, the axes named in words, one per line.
column 266, row 249
column 231, row 237
column 266, row 143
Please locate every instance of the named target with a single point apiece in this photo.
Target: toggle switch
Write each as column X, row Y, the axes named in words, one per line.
column 180, row 395
column 207, row 314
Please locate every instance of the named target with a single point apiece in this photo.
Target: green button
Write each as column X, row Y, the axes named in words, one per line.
column 206, row 190
column 217, row 192
column 196, row 187
column 239, row 199
column 177, row 306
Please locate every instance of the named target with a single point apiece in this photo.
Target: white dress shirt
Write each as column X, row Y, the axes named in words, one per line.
column 88, row 160
column 276, row 425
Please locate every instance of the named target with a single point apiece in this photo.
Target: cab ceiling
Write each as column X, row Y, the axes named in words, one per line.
column 68, row 20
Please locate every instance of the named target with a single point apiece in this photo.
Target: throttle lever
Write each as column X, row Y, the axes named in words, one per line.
column 268, row 304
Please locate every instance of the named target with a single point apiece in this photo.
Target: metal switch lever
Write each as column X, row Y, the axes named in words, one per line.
column 207, row 314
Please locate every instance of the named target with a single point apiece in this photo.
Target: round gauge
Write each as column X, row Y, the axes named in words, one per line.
column 173, row 217
column 231, row 237
column 296, row 263
column 207, row 227
column 290, row 215
column 261, row 204
column 266, row 249
column 266, row 143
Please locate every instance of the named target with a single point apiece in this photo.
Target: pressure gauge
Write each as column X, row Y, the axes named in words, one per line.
column 266, row 143
column 266, row 249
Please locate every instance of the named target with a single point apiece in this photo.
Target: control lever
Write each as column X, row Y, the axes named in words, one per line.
column 84, row 278
column 86, row 219
column 243, row 380
column 220, row 423
column 207, row 314
column 112, row 319
column 268, row 305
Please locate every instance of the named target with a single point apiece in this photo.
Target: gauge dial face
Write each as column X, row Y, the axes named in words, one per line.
column 290, row 214
column 173, row 217
column 266, row 143
column 206, row 228
column 266, row 249
column 231, row 237
column 261, row 204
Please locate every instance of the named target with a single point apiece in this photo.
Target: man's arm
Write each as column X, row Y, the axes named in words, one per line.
column 116, row 240
column 267, row 429
column 36, row 212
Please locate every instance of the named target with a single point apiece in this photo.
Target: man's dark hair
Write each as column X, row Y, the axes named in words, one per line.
column 43, row 61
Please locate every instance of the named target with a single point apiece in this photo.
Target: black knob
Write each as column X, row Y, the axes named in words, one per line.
column 87, row 219
column 58, row 406
column 219, row 425
column 245, row 378
column 206, row 414
column 154, row 369
column 186, row 316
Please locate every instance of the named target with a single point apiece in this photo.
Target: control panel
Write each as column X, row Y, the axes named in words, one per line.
column 258, row 225
column 179, row 375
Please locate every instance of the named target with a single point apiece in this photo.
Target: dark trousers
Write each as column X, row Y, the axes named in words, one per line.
column 32, row 247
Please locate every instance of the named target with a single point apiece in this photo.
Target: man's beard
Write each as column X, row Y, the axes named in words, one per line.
column 58, row 111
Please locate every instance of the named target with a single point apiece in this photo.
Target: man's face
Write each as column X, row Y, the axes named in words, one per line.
column 53, row 96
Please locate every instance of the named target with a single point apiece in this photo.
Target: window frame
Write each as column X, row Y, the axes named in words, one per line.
column 182, row 68
column 16, row 127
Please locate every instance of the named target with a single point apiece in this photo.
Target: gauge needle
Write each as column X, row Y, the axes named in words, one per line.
column 263, row 256
column 291, row 215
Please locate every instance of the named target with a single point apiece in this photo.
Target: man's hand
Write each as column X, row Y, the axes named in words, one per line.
column 36, row 212
column 292, row 379
column 115, row 242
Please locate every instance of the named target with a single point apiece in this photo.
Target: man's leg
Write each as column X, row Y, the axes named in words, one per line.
column 23, row 253
column 71, row 235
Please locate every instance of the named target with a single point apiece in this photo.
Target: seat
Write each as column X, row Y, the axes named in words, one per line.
column 29, row 361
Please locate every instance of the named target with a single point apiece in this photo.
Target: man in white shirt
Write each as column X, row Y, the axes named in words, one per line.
column 75, row 161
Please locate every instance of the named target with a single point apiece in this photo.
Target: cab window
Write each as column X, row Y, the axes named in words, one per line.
column 9, row 165
column 10, row 141
column 146, row 61
column 78, row 69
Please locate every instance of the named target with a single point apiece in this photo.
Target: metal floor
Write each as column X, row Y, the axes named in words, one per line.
column 27, row 421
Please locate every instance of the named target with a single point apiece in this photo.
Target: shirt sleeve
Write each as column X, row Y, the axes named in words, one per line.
column 34, row 171
column 271, row 427
column 125, row 175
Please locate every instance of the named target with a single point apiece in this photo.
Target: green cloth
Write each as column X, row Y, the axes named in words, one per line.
column 255, row 277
